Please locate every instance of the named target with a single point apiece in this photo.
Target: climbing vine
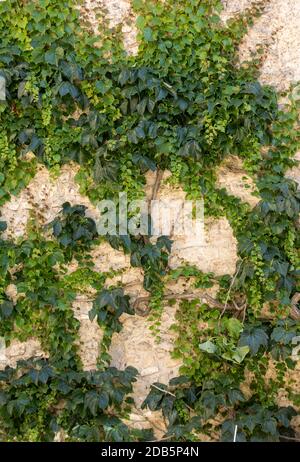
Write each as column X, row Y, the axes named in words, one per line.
column 182, row 104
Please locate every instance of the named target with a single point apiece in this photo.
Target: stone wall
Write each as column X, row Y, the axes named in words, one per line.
column 135, row 345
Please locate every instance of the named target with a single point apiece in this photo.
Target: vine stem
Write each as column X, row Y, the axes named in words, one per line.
column 167, row 392
column 165, row 438
column 154, row 192
column 230, row 288
column 188, row 296
column 157, row 183
column 295, row 312
column 290, row 438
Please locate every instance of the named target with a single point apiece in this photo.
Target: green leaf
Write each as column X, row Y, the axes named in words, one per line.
column 141, row 107
column 3, row 226
column 254, row 338
column 91, row 402
column 140, row 133
column 270, row 426
column 57, row 228
column 103, row 400
column 208, row 347
column 6, row 309
column 234, row 327
column 235, row 396
column 3, row 398
column 182, row 104
column 144, row 162
column 66, row 88
column 282, row 335
column 140, row 22
column 240, row 354
column 40, row 375
column 148, row 34
column 155, row 397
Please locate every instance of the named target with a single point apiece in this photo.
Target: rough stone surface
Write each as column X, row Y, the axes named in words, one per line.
column 135, row 345
column 214, row 250
column 217, row 254
column 292, row 379
column 117, row 12
column 234, row 7
column 89, row 332
column 235, row 180
column 278, row 30
column 21, row 350
column 44, row 197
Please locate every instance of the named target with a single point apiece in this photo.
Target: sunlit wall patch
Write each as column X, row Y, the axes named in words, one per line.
column 296, row 349
column 169, row 217
column 2, row 89
column 2, row 349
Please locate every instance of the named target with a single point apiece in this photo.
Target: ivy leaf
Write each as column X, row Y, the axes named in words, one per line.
column 21, row 89
column 191, row 150
column 182, row 104
column 281, row 267
column 17, row 406
column 150, row 105
column 234, row 327
column 152, row 131
column 209, row 401
column 240, row 354
column 154, row 399
column 124, row 77
column 91, row 402
column 105, row 170
column 112, row 303
column 254, row 338
column 144, row 163
column 140, row 132
column 208, row 347
column 164, row 241
column 141, row 107
column 51, row 57
column 161, row 94
column 235, row 396
column 132, row 137
column 66, row 88
column 103, row 400
column 40, row 375
column 135, row 259
column 270, row 426
column 71, row 70
column 283, row 336
column 182, row 379
column 3, row 398
column 285, row 414
column 151, row 253
column 228, row 432
column 6, row 309
column 148, row 34
column 57, row 228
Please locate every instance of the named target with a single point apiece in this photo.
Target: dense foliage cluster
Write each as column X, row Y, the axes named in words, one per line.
column 183, row 104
